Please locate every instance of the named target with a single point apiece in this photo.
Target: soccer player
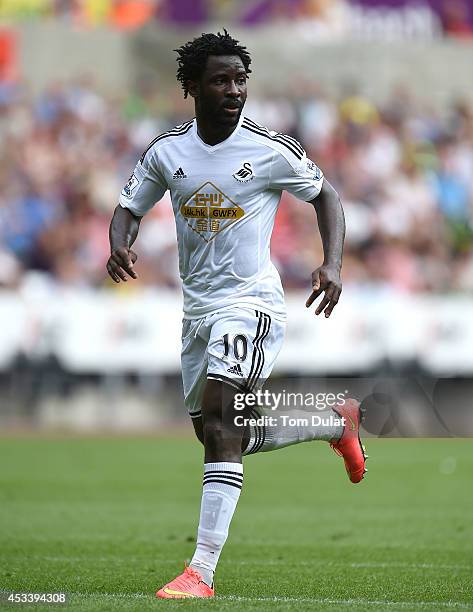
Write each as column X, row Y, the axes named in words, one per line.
column 226, row 174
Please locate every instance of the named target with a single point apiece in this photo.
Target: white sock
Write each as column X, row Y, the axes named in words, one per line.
column 221, row 490
column 268, row 437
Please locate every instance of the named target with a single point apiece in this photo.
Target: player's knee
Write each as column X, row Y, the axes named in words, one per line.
column 217, row 437
column 212, row 423
column 216, row 431
column 218, row 428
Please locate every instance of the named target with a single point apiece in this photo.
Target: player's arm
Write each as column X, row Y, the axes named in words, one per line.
column 122, row 234
column 326, row 278
column 144, row 188
column 301, row 177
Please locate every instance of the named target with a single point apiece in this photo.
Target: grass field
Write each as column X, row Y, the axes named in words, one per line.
column 108, row 521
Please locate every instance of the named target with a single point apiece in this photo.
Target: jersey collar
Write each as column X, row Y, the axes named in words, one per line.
column 217, row 147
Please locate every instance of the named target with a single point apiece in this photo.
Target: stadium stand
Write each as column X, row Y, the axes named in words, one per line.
column 404, row 173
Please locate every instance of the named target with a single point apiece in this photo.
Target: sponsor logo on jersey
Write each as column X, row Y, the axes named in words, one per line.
column 245, row 173
column 209, row 211
column 179, row 174
column 131, row 185
column 236, row 369
column 313, row 169
column 310, row 168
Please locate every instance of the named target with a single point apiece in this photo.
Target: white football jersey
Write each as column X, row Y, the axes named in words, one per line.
column 225, row 199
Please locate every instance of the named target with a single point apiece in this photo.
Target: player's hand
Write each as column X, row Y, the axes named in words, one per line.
column 326, row 279
column 120, row 263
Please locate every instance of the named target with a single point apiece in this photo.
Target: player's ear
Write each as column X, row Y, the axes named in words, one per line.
column 193, row 88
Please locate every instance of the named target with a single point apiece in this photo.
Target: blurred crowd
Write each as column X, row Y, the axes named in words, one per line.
column 323, row 17
column 404, row 173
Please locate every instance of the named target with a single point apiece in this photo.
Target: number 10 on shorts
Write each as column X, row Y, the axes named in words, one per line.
column 238, row 345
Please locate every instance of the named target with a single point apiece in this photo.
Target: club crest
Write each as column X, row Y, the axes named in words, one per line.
column 244, row 174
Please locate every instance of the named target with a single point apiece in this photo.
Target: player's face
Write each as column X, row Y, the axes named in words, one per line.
column 221, row 92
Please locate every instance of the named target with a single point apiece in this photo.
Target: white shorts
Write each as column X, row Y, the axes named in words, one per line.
column 237, row 345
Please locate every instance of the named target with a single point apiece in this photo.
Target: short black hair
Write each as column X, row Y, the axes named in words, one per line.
column 192, row 57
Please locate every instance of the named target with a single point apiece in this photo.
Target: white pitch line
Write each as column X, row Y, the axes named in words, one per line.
column 370, row 564
column 113, row 595
column 270, row 562
column 350, row 602
column 432, row 566
column 86, row 558
column 301, row 600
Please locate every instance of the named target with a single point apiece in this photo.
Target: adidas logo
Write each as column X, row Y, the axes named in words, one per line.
column 179, row 174
column 236, row 369
column 245, row 173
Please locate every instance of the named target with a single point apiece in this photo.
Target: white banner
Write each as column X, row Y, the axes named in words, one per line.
column 111, row 332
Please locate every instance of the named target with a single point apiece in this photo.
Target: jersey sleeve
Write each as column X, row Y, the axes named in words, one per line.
column 301, row 177
column 145, row 187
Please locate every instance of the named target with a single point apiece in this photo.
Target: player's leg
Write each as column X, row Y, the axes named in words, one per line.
column 194, row 364
column 208, row 402
column 230, row 343
column 235, row 363
column 246, row 364
column 195, row 336
column 338, row 426
column 297, row 428
column 223, row 477
column 263, row 346
column 222, row 482
column 198, row 428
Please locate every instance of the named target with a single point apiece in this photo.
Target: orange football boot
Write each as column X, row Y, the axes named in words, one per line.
column 349, row 446
column 186, row 586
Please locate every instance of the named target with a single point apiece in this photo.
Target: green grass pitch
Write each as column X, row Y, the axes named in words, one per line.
column 108, row 521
